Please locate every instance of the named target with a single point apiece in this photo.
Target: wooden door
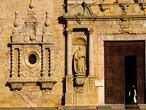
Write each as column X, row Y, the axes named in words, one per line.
column 115, row 53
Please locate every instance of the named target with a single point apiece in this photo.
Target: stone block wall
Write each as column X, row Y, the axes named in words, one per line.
column 30, row 96
column 67, row 25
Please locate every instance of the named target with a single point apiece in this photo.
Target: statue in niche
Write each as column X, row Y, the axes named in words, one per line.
column 79, row 62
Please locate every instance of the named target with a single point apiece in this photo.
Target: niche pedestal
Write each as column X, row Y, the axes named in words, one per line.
column 82, row 95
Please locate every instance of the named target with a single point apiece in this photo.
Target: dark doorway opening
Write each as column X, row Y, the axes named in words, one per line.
column 130, row 76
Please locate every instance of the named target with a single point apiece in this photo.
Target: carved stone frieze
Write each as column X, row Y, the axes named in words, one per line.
column 120, row 27
column 81, row 10
column 121, row 17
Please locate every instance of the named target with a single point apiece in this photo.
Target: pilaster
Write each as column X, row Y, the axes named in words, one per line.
column 69, row 51
column 91, row 67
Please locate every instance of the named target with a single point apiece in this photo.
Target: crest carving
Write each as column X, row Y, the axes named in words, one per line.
column 80, row 11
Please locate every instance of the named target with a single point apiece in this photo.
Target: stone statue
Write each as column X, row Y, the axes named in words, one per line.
column 79, row 62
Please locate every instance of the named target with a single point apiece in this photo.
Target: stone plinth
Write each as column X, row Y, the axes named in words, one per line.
column 81, row 95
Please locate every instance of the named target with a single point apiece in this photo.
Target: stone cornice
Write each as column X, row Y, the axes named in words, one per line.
column 104, row 18
column 34, row 43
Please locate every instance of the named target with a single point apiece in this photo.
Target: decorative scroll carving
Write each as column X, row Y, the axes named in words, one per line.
column 80, row 10
column 87, row 8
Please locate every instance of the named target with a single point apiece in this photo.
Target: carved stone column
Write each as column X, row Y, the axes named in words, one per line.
column 44, row 73
column 69, row 52
column 14, row 73
column 69, row 79
column 91, row 66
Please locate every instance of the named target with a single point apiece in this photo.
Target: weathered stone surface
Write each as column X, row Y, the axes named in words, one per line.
column 52, row 31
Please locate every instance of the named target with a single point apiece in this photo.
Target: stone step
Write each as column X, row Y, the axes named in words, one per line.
column 122, row 107
column 104, row 107
column 134, row 106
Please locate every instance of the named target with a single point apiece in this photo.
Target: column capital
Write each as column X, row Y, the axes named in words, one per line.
column 69, row 30
column 91, row 30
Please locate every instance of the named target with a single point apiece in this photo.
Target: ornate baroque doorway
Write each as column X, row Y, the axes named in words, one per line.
column 124, row 66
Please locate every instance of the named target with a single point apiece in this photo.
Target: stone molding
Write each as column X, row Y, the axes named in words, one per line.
column 127, row 22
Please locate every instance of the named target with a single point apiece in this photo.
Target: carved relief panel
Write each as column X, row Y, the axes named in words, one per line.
column 33, row 54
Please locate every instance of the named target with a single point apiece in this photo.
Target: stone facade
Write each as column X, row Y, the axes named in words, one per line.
column 52, row 51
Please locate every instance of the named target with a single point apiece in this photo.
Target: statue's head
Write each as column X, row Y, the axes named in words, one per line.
column 80, row 48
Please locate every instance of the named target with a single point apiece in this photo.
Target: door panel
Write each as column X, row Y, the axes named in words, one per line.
column 140, row 79
column 115, row 52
